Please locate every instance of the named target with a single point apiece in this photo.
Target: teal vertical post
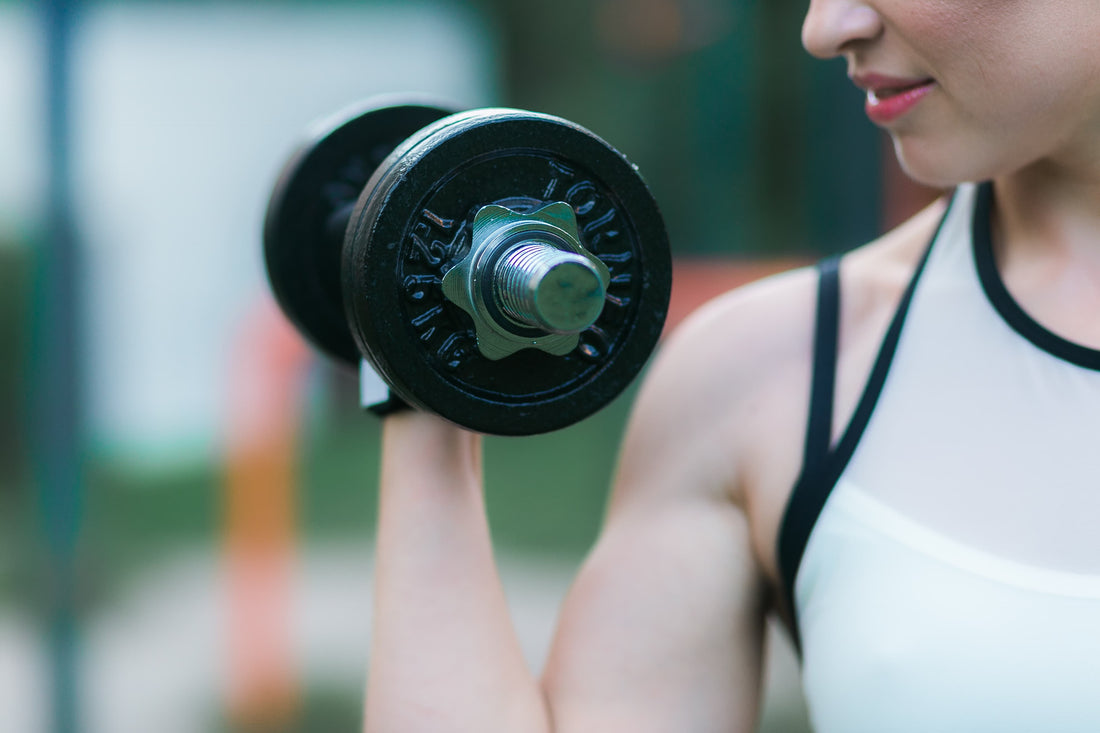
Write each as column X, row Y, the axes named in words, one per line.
column 721, row 188
column 56, row 399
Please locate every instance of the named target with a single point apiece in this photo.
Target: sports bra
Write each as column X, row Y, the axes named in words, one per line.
column 942, row 557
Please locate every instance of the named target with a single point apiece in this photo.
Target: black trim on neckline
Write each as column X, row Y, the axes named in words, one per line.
column 1003, row 302
column 818, row 476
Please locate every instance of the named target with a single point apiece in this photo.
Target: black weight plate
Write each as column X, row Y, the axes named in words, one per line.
column 413, row 222
column 307, row 213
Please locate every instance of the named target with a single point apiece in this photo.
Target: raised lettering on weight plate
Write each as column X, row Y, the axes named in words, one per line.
column 435, row 251
column 434, row 243
column 601, row 234
column 419, row 287
column 558, row 172
column 619, row 264
column 583, row 197
column 594, row 344
column 456, row 349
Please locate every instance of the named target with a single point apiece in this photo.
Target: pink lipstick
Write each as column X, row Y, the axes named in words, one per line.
column 888, row 98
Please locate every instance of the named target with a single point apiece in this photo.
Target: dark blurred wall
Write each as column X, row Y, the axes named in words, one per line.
column 751, row 146
column 14, row 316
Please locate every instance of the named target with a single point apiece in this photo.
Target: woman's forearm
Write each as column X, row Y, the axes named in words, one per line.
column 444, row 651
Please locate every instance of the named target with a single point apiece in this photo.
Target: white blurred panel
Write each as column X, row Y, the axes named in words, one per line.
column 184, row 116
column 22, row 144
column 24, row 673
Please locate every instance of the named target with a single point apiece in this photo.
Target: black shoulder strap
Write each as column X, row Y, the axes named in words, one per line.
column 823, row 462
column 819, row 427
column 800, row 516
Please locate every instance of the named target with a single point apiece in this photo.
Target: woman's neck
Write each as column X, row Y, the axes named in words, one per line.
column 1046, row 241
column 1050, row 208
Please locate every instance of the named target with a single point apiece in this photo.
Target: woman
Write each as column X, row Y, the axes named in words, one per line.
column 899, row 459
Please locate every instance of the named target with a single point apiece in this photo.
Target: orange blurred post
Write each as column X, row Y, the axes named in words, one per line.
column 265, row 410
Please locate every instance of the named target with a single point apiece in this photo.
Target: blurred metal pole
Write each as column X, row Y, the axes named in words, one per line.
column 57, row 440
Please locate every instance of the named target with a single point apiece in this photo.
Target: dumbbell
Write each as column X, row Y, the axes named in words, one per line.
column 505, row 269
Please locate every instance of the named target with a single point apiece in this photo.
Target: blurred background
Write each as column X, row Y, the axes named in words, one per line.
column 186, row 490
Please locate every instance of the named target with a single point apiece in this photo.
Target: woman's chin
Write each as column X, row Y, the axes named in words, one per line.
column 932, row 165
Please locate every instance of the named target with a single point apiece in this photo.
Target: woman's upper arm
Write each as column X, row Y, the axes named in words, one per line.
column 663, row 628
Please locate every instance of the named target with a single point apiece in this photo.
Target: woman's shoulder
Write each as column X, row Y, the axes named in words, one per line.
column 880, row 270
column 742, row 362
column 750, row 330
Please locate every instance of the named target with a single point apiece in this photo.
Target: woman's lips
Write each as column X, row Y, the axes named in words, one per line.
column 889, row 98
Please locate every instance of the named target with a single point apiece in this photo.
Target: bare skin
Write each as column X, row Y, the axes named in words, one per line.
column 663, row 628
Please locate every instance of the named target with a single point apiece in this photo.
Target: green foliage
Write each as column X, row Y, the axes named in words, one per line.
column 135, row 516
column 546, row 493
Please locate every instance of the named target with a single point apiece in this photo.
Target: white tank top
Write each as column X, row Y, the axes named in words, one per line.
column 951, row 579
